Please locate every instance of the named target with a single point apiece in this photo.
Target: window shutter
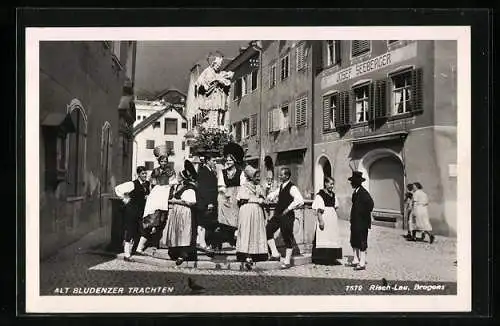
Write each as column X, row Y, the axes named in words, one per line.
column 253, row 125
column 339, row 117
column 300, row 57
column 381, row 100
column 360, row 47
column 304, row 111
column 270, row 121
column 337, row 51
column 371, row 100
column 416, row 99
column 326, row 113
column 276, row 120
column 348, row 106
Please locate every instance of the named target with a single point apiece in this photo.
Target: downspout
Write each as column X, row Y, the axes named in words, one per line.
column 313, row 77
column 260, row 106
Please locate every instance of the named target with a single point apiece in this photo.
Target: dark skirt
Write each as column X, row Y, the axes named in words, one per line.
column 325, row 256
column 242, row 256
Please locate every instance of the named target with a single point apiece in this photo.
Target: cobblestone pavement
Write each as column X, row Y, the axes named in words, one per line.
column 390, row 257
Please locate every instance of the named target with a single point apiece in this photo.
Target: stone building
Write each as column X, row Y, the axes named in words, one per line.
column 86, row 116
column 388, row 109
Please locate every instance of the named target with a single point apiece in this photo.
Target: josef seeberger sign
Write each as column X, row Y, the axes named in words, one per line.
column 362, row 68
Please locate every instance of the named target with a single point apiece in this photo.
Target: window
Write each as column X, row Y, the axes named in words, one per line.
column 300, row 57
column 183, row 145
column 237, row 131
column 184, row 125
column 284, row 117
column 272, row 76
column 361, row 100
column 150, row 144
column 330, row 104
column 359, row 47
column 76, row 145
column 300, row 111
column 401, row 93
column 237, row 89
column 285, row 67
column 253, row 125
column 156, row 124
column 169, row 145
column 245, row 128
column 244, row 86
column 332, row 52
column 149, row 165
column 273, row 120
column 170, row 126
column 253, row 78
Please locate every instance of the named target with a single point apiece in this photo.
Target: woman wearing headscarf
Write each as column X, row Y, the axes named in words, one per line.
column 326, row 247
column 180, row 232
column 229, row 180
column 251, row 243
column 421, row 213
column 156, row 209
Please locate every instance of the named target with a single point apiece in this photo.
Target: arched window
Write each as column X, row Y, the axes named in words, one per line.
column 76, row 148
column 106, row 155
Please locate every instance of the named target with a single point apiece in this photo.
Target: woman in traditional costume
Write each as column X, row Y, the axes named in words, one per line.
column 326, row 246
column 229, row 181
column 251, row 243
column 180, row 232
column 156, row 209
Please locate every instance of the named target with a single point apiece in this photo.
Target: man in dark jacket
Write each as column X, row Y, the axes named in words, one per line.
column 362, row 206
column 207, row 200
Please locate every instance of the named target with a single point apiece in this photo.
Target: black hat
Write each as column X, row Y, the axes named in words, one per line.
column 235, row 151
column 189, row 171
column 356, row 175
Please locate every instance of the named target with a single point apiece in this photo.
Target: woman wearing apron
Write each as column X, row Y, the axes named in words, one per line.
column 180, row 231
column 229, row 181
column 326, row 246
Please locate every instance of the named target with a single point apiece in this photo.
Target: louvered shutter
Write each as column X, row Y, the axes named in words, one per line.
column 337, row 51
column 326, row 113
column 360, row 47
column 371, row 101
column 300, row 57
column 381, row 100
column 253, row 122
column 304, row 111
column 416, row 99
column 270, row 121
column 340, row 112
column 348, row 107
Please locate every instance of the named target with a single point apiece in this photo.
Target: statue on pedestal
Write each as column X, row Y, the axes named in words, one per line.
column 212, row 90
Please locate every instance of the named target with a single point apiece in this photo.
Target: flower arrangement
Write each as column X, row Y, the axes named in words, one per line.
column 210, row 140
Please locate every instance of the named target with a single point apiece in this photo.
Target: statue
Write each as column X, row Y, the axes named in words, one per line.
column 212, row 91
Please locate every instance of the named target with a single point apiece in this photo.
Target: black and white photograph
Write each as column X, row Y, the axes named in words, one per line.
column 258, row 169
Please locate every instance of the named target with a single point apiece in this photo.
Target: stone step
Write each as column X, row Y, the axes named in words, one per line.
column 387, row 224
column 219, row 262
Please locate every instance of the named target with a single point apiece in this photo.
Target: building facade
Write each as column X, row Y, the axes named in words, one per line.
column 167, row 126
column 288, row 70
column 146, row 108
column 245, row 101
column 86, row 116
column 388, row 109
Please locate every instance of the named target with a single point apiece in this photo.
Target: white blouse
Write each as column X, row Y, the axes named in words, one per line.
column 319, row 203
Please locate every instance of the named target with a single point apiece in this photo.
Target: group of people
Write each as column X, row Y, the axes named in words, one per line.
column 416, row 212
column 200, row 209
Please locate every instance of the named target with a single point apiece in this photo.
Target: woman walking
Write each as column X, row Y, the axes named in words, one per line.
column 421, row 213
column 180, row 232
column 251, row 243
column 326, row 247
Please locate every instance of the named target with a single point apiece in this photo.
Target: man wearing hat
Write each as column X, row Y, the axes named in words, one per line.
column 207, row 199
column 362, row 206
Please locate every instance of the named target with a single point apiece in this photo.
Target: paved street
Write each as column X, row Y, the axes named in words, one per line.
column 390, row 257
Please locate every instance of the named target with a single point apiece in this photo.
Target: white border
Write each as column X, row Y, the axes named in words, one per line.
column 341, row 303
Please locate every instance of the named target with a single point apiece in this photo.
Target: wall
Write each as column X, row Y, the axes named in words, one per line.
column 83, row 71
column 297, row 84
column 142, row 154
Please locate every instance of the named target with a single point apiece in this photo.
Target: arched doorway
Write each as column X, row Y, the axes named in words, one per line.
column 323, row 168
column 384, row 173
